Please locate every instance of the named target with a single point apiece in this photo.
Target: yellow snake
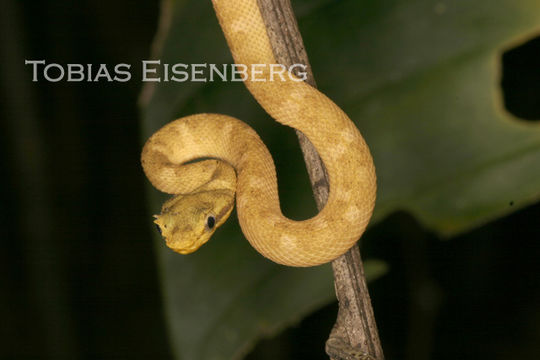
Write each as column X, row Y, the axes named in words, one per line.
column 206, row 189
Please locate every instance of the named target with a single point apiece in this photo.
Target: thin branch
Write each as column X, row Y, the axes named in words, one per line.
column 354, row 335
column 164, row 24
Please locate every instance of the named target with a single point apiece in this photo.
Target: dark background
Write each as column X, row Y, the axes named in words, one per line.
column 78, row 273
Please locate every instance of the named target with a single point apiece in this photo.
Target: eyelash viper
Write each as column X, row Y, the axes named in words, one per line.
column 206, row 189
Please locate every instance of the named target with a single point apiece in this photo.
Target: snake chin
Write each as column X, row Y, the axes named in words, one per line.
column 188, row 221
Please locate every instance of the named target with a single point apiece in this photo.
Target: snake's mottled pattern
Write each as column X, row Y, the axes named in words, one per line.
column 339, row 143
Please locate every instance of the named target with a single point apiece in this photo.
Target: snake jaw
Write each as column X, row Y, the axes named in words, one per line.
column 179, row 236
column 188, row 221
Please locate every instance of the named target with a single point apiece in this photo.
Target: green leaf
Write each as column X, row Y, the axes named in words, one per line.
column 421, row 80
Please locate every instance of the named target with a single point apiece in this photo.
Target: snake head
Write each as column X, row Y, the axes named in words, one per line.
column 189, row 221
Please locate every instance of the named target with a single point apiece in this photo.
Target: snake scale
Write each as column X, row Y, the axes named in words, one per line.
column 235, row 161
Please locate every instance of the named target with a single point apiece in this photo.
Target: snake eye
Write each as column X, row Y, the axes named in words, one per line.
column 210, row 222
column 159, row 229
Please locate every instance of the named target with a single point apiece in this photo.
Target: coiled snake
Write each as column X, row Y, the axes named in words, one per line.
column 236, row 160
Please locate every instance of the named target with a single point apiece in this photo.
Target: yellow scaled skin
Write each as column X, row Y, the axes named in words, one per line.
column 189, row 219
column 184, row 221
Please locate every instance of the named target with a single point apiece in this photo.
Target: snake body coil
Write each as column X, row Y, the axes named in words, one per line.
column 207, row 188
